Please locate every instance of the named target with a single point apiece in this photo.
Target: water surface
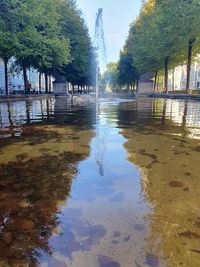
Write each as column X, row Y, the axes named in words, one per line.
column 111, row 185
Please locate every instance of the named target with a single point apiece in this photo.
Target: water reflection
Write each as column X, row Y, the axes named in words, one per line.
column 116, row 189
column 165, row 146
column 39, row 158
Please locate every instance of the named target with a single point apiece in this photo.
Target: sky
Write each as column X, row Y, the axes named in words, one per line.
column 118, row 14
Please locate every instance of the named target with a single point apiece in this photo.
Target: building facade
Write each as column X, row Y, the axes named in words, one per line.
column 177, row 77
column 16, row 82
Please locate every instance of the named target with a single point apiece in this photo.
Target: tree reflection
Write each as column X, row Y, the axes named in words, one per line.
column 36, row 173
column 167, row 156
column 31, row 193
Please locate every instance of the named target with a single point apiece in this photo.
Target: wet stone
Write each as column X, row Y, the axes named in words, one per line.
column 7, row 238
column 105, row 261
column 139, row 227
column 195, row 250
column 127, row 238
column 186, row 189
column 116, row 234
column 78, row 235
column 152, row 260
column 44, row 150
column 142, row 151
column 28, row 225
column 190, row 234
column 197, row 149
column 137, row 264
column 115, row 242
column 23, row 204
column 56, row 263
column 22, row 156
column 119, row 197
column 176, row 184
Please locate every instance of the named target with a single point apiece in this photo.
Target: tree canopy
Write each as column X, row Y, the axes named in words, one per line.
column 166, row 34
column 48, row 35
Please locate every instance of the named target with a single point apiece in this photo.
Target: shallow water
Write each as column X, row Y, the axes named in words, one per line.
column 112, row 185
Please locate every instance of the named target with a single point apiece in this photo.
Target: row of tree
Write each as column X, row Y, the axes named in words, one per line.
column 166, row 34
column 48, row 35
column 121, row 75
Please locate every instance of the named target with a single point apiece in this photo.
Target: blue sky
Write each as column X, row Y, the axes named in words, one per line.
column 118, row 14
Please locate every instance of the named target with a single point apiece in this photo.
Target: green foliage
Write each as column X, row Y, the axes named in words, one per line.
column 110, row 78
column 8, row 27
column 40, row 43
column 161, row 34
column 48, row 35
column 74, row 27
column 127, row 71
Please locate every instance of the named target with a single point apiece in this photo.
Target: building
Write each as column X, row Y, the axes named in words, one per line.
column 179, row 75
column 16, row 82
column 145, row 84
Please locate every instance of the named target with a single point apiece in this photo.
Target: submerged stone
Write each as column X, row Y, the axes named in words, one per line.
column 139, row 227
column 152, row 260
column 176, row 184
column 105, row 261
column 190, row 234
column 117, row 198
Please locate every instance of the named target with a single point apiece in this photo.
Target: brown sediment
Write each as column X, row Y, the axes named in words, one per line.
column 189, row 234
column 176, row 184
column 195, row 250
column 30, row 195
column 171, row 208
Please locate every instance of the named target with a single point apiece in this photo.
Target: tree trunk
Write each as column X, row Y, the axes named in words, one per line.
column 163, row 84
column 47, row 110
column 184, row 120
column 190, row 46
column 67, row 88
column 50, row 83
column 137, row 86
column 6, row 74
column 46, row 83
column 25, row 79
column 28, row 113
column 158, row 83
column 155, row 82
column 164, row 113
column 166, row 74
column 173, row 82
column 40, row 82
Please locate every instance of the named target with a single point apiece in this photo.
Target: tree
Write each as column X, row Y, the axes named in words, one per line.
column 47, row 35
column 127, row 71
column 110, row 77
column 40, row 43
column 164, row 36
column 7, row 33
column 186, row 25
column 74, row 27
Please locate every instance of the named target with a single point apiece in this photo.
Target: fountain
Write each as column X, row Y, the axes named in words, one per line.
column 100, row 47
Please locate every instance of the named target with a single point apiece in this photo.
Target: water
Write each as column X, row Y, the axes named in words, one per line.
column 100, row 186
